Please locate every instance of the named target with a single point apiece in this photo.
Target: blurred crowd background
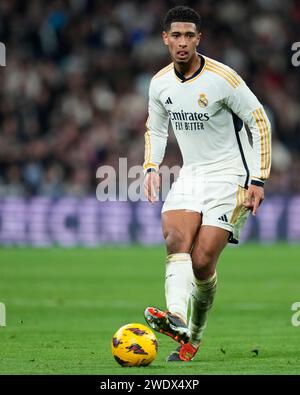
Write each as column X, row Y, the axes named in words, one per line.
column 73, row 94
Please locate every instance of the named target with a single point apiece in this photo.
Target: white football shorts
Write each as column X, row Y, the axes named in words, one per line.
column 219, row 199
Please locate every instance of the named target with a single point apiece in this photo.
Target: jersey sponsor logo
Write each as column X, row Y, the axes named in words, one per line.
column 188, row 121
column 188, row 126
column 168, row 101
column 202, row 101
column 188, row 116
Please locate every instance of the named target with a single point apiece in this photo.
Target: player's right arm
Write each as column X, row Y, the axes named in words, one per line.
column 155, row 142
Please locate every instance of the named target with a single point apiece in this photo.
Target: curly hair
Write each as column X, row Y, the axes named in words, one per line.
column 181, row 14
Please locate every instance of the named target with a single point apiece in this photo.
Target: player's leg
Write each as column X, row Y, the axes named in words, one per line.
column 223, row 217
column 179, row 228
column 209, row 243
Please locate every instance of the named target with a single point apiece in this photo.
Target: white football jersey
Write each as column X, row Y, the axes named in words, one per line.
column 208, row 113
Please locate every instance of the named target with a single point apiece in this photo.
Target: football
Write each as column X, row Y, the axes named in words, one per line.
column 134, row 345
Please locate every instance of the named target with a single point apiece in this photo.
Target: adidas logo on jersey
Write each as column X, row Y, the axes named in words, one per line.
column 168, row 101
column 223, row 218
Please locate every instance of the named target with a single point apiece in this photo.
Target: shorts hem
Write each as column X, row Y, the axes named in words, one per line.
column 164, row 209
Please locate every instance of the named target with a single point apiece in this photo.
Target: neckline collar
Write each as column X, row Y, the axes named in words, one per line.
column 182, row 77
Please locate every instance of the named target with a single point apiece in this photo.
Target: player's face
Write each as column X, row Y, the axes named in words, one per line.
column 182, row 40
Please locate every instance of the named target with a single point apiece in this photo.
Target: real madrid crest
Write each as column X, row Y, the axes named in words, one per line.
column 202, row 101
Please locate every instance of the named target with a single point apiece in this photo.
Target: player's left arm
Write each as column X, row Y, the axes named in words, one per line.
column 242, row 101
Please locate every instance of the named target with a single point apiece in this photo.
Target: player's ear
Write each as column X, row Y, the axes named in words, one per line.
column 199, row 36
column 165, row 37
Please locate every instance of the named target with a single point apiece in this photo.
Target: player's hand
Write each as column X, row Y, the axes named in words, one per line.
column 152, row 186
column 255, row 196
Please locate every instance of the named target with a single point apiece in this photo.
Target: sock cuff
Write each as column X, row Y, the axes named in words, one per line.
column 179, row 257
column 208, row 283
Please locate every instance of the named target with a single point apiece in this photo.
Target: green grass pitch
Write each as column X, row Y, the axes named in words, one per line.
column 63, row 306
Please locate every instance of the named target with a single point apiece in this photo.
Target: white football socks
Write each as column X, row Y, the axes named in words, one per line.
column 201, row 302
column 178, row 283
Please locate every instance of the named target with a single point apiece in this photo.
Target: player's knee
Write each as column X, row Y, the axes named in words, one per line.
column 204, row 264
column 176, row 241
